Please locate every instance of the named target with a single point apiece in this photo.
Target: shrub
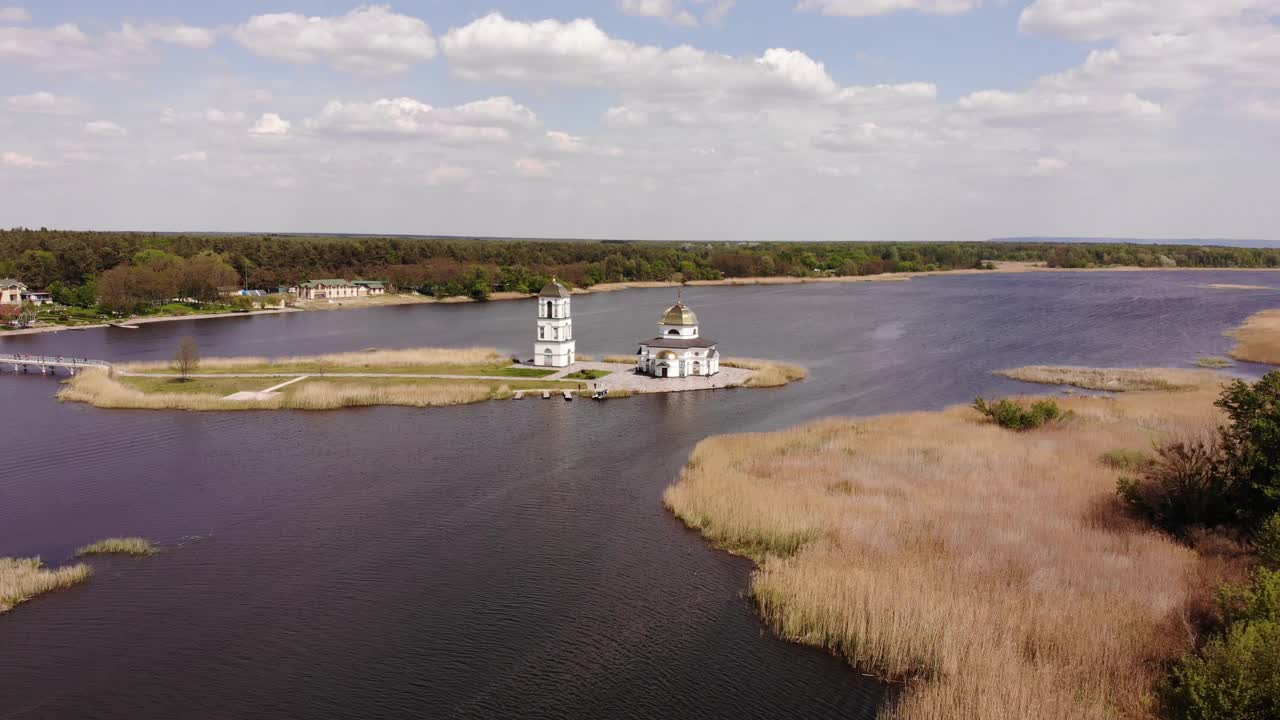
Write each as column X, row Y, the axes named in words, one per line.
column 1015, row 416
column 1188, row 483
column 1236, row 675
column 1126, row 459
column 1252, row 441
column 1268, row 542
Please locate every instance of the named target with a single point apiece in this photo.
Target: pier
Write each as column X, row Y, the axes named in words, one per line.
column 47, row 364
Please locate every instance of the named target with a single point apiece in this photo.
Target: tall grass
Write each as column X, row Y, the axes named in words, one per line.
column 991, row 571
column 416, row 357
column 1258, row 339
column 118, row 546
column 621, row 359
column 768, row 373
column 24, row 578
column 1113, row 379
column 99, row 389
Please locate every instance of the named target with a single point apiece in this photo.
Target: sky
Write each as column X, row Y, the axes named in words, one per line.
column 645, row 119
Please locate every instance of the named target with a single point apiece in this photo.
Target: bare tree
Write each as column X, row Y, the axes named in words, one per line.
column 188, row 357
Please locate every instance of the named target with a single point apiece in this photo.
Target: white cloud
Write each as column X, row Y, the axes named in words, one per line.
column 369, row 40
column 45, row 103
column 1038, row 107
column 14, row 15
column 491, row 120
column 671, row 11
column 445, row 174
column 104, row 128
column 533, row 167
column 564, row 142
column 1048, row 166
column 68, row 48
column 270, row 124
column 138, row 37
column 1263, row 109
column 17, row 160
column 866, row 8
column 197, row 156
column 1098, row 19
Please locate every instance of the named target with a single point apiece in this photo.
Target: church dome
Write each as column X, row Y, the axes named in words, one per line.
column 666, row 355
column 554, row 290
column 679, row 314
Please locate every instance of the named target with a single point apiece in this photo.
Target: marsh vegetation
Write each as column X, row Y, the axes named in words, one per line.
column 118, row 546
column 24, row 578
column 1258, row 339
column 1111, row 379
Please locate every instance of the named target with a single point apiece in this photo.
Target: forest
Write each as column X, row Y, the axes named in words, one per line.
column 126, row 270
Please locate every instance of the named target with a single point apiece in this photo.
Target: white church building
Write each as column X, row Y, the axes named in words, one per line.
column 555, row 346
column 679, row 350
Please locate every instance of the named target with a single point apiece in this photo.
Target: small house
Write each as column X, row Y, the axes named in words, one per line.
column 328, row 290
column 372, row 287
column 11, row 291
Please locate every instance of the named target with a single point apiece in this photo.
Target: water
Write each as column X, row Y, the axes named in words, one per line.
column 498, row 560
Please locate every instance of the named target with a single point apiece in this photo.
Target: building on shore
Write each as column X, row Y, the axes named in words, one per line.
column 679, row 350
column 38, row 298
column 555, row 346
column 338, row 288
column 11, row 291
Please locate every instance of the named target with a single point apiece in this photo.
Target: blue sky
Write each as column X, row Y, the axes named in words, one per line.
column 681, row 119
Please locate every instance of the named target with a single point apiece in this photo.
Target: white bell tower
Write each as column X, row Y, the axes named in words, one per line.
column 555, row 346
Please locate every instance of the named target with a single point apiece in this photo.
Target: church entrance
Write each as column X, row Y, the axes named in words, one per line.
column 663, row 371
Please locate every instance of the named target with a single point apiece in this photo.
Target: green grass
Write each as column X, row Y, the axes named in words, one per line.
column 1126, row 459
column 525, row 385
column 589, row 374
column 313, row 368
column 200, row 385
column 1214, row 362
column 118, row 546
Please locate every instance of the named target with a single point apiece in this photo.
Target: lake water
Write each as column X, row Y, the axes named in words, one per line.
column 508, row 559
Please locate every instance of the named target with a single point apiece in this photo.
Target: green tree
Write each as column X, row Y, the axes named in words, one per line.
column 1252, row 442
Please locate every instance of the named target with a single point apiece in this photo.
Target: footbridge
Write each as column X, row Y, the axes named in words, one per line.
column 47, row 364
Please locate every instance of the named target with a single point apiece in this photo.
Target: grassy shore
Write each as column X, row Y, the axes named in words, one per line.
column 100, row 389
column 118, row 546
column 1113, row 379
column 768, row 373
column 416, row 361
column 24, row 578
column 1258, row 339
column 991, row 571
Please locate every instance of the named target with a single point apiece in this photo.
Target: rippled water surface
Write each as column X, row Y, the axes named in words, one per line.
column 506, row 559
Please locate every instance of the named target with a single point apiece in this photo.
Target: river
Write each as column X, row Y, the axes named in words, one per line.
column 506, row 559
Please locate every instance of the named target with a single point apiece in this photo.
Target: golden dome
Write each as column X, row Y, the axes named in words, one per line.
column 679, row 314
column 666, row 355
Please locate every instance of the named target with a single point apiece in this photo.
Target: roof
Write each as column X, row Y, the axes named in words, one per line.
column 679, row 314
column 369, row 283
column 10, row 282
column 554, row 289
column 331, row 282
column 684, row 344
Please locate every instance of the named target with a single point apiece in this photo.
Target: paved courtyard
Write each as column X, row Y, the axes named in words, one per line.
column 623, row 377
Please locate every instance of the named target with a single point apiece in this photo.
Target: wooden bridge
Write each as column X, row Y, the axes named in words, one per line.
column 47, row 364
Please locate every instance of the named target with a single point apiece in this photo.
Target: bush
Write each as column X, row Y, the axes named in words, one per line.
column 1252, row 441
column 1126, row 459
column 1188, row 483
column 1236, row 675
column 1268, row 542
column 1014, row 416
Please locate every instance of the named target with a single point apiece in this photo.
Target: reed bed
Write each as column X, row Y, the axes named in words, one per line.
column 1258, row 339
column 118, row 546
column 1113, row 379
column 768, row 373
column 416, row 357
column 24, row 578
column 99, row 389
column 620, row 359
column 990, row 571
column 1214, row 363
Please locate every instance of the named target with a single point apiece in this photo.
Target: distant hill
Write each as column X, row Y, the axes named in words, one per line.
column 1219, row 242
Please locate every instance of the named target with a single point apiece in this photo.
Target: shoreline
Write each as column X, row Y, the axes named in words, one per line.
column 1001, row 268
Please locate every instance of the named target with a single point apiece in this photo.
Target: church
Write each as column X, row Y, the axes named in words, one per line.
column 679, row 350
column 555, row 346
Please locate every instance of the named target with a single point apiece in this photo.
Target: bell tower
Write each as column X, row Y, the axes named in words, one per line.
column 555, row 346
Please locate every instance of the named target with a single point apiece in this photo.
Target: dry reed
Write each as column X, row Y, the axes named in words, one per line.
column 118, row 546
column 415, row 357
column 24, row 578
column 767, row 373
column 1113, row 379
column 989, row 569
column 620, row 359
column 99, row 389
column 1258, row 339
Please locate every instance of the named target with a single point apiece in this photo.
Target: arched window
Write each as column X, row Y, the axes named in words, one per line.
column 542, row 333
column 550, row 305
column 673, row 331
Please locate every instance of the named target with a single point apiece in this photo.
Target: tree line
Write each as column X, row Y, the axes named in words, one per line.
column 139, row 266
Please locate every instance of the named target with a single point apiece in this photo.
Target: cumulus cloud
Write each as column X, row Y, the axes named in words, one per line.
column 668, row 10
column 270, row 124
column 370, row 40
column 866, row 8
column 18, row 160
column 1099, row 19
column 491, row 120
column 1037, row 107
column 14, row 15
column 533, row 167
column 66, row 47
column 104, row 128
column 45, row 103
